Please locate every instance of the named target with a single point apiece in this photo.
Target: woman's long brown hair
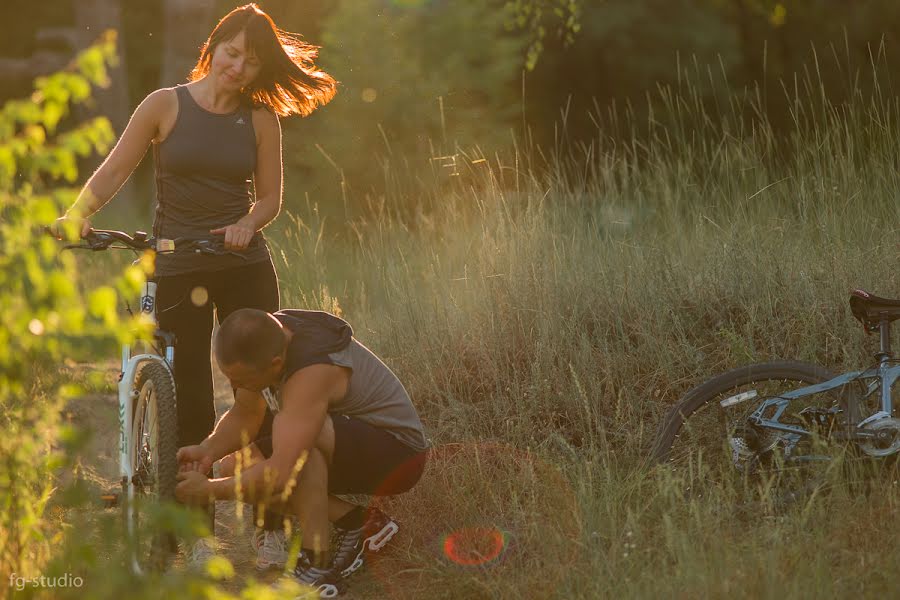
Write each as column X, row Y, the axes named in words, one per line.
column 288, row 82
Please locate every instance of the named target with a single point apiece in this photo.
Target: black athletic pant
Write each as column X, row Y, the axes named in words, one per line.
column 185, row 307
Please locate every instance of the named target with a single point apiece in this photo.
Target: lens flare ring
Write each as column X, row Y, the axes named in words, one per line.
column 475, row 546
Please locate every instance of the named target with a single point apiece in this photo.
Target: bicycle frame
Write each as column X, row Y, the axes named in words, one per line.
column 99, row 239
column 127, row 397
column 883, row 375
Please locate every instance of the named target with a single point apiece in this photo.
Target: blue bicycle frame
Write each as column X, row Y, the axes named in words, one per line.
column 884, row 375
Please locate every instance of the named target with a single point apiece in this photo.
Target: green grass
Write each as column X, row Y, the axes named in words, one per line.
column 558, row 316
column 543, row 323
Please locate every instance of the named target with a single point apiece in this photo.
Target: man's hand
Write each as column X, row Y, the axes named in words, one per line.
column 193, row 488
column 195, row 458
column 238, row 235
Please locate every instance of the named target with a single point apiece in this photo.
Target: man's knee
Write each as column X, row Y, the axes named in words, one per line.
column 325, row 441
column 316, row 460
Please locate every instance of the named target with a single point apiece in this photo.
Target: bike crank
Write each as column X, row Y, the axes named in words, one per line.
column 885, row 437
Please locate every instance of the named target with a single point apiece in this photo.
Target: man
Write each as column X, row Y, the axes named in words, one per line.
column 344, row 424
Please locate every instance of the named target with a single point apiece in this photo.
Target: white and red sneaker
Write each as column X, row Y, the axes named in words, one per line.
column 349, row 546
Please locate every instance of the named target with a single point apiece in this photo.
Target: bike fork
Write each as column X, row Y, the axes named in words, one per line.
column 126, row 428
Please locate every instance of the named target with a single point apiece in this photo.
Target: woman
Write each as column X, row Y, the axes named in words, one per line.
column 212, row 138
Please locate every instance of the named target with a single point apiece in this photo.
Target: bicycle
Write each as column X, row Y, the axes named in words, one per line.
column 778, row 417
column 147, row 405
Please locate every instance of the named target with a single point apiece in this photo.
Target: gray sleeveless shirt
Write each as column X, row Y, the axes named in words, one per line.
column 204, row 171
column 375, row 395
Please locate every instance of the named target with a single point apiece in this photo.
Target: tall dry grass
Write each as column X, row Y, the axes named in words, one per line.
column 544, row 309
column 557, row 315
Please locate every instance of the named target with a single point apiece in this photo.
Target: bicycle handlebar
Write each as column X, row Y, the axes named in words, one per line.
column 104, row 239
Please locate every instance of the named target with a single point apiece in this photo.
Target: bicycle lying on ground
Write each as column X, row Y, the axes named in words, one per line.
column 783, row 416
column 147, row 406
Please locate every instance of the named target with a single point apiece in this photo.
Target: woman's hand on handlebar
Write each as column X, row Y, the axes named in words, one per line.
column 237, row 235
column 57, row 228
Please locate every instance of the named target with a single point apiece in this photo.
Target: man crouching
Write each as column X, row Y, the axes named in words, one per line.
column 343, row 424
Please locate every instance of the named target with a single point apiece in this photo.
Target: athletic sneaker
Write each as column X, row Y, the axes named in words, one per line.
column 202, row 550
column 350, row 545
column 324, row 581
column 271, row 549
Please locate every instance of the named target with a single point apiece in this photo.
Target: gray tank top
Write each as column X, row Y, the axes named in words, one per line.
column 204, row 171
column 375, row 395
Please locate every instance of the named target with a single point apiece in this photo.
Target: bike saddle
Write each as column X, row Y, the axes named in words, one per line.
column 871, row 310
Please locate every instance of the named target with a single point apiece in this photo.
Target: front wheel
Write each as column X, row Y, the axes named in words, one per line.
column 153, row 447
column 702, row 437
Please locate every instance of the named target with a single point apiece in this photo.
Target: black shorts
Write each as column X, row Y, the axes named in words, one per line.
column 367, row 460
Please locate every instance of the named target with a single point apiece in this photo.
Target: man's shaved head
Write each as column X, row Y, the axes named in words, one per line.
column 250, row 337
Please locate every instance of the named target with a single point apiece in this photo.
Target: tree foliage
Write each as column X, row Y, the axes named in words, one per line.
column 44, row 314
column 428, row 78
column 539, row 16
column 418, row 85
column 49, row 319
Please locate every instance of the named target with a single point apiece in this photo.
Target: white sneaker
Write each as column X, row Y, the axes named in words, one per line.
column 271, row 549
column 202, row 550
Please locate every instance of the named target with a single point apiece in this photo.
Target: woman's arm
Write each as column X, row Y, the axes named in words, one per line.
column 142, row 128
column 267, row 181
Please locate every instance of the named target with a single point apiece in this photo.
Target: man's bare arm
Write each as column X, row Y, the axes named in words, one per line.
column 305, row 398
column 238, row 426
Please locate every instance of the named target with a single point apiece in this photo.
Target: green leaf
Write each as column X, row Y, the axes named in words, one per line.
column 219, row 567
column 53, row 112
column 61, row 288
column 7, row 165
column 102, row 304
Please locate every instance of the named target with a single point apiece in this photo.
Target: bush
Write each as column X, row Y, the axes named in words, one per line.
column 43, row 313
